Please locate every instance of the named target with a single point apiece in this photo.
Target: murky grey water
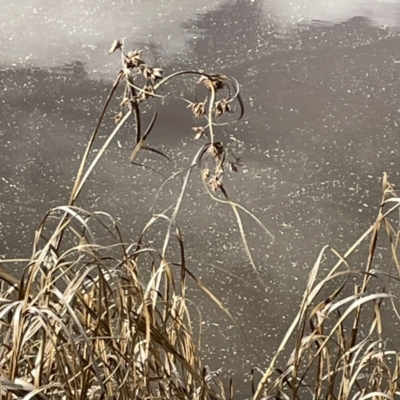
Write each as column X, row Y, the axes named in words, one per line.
column 320, row 81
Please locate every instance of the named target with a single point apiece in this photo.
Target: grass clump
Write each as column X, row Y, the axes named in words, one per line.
column 109, row 319
column 338, row 341
column 85, row 323
column 106, row 319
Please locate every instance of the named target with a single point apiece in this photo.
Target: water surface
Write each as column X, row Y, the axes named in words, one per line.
column 320, row 85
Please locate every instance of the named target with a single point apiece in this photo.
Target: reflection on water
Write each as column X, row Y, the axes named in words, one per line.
column 294, row 12
column 321, row 126
column 76, row 30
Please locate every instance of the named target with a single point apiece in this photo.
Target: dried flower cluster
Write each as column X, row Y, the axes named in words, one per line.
column 216, row 103
column 198, row 109
column 142, row 81
column 220, row 158
column 222, row 107
column 213, row 177
column 200, row 132
column 135, row 67
column 133, row 59
column 215, row 82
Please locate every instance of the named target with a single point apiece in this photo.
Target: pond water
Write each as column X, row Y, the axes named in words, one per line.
column 320, row 83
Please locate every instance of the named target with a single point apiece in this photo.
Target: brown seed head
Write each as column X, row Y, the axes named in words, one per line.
column 206, row 173
column 118, row 117
column 150, row 73
column 133, row 59
column 117, row 44
column 200, row 132
column 216, row 150
column 221, row 107
column 146, row 92
column 215, row 183
column 198, row 109
column 215, row 82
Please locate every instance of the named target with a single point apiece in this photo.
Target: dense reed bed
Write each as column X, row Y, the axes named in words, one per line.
column 109, row 319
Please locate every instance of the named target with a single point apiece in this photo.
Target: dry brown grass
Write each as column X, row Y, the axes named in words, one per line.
column 83, row 322
column 341, row 349
column 106, row 319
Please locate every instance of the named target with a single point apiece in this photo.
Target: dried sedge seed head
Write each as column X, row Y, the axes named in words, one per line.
column 206, row 173
column 158, row 73
column 221, row 107
column 215, row 183
column 118, row 117
column 133, row 59
column 117, row 44
column 215, row 82
column 124, row 101
column 146, row 92
column 150, row 73
column 136, row 53
column 216, row 150
column 200, row 132
column 146, row 70
column 198, row 109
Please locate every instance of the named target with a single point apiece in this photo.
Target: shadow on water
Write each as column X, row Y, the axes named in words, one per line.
column 321, row 126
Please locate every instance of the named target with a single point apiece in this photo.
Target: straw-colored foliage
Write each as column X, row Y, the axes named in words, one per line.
column 83, row 324
column 340, row 347
column 108, row 319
